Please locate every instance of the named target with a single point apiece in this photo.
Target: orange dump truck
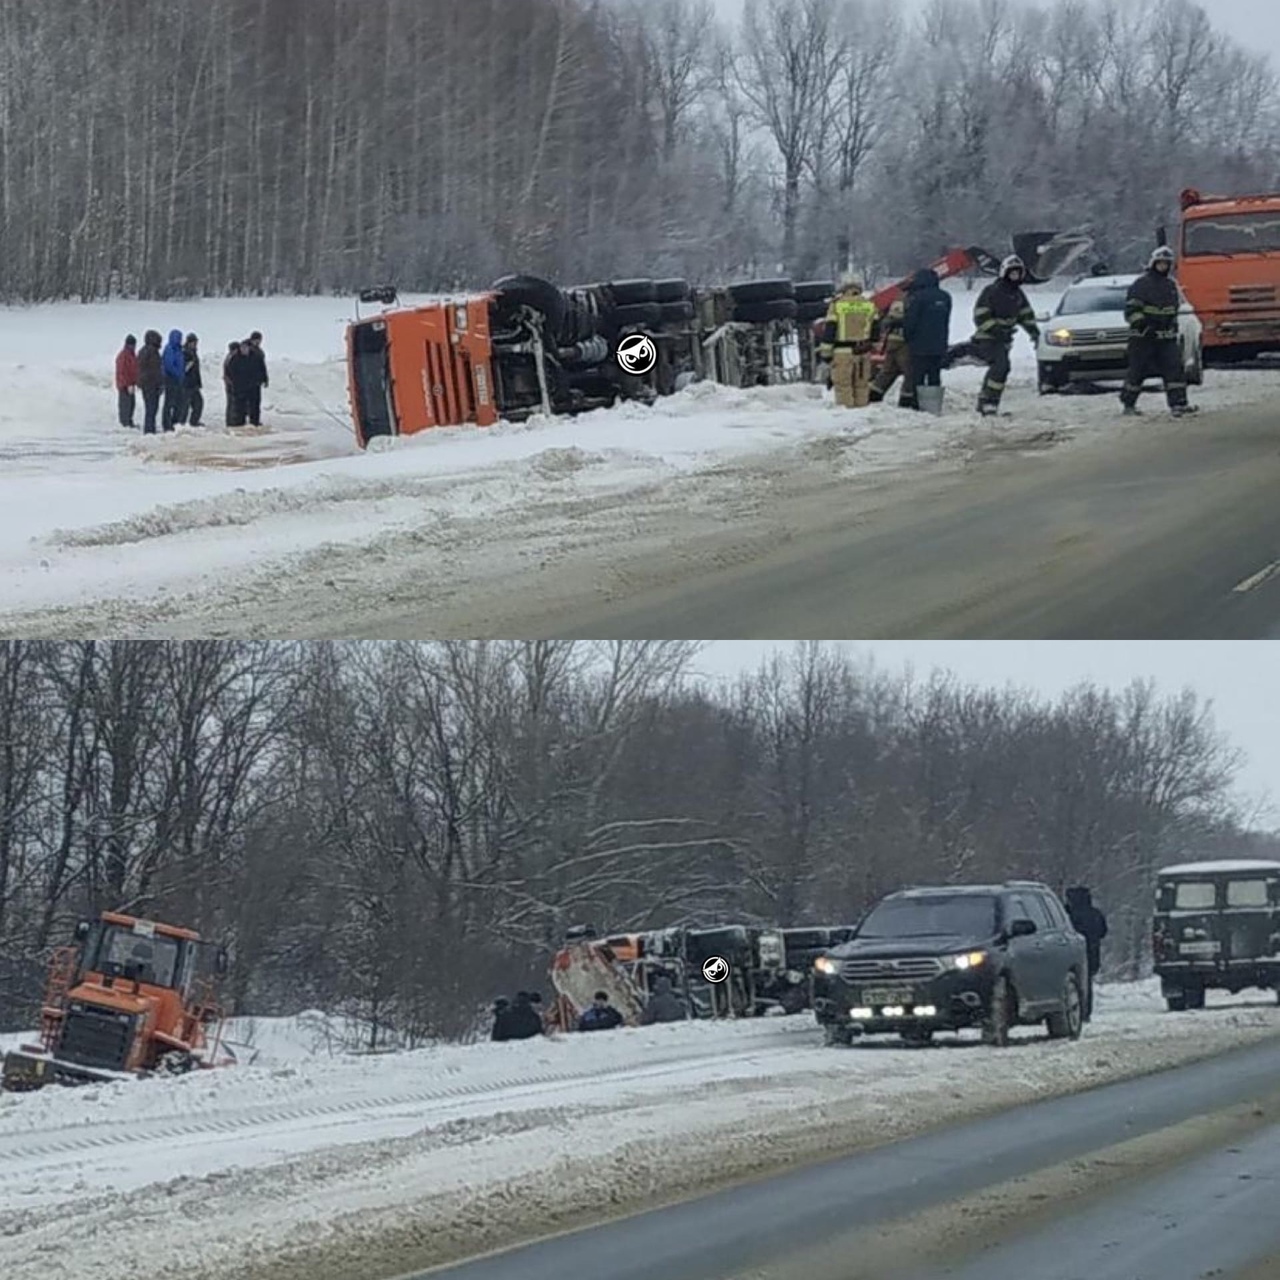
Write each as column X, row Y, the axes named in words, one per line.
column 1229, row 267
column 130, row 996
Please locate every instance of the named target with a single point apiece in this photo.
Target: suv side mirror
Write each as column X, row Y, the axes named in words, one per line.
column 1022, row 928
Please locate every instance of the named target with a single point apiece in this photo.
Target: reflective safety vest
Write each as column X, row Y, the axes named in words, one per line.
column 853, row 318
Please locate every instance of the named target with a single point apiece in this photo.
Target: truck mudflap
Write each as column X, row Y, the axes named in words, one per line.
column 27, row 1069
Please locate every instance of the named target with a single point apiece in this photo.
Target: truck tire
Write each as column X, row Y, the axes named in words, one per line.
column 631, row 293
column 762, row 290
column 999, row 1019
column 764, row 312
column 641, row 315
column 808, row 312
column 532, row 291
column 671, row 291
column 1068, row 1022
column 676, row 312
column 815, row 291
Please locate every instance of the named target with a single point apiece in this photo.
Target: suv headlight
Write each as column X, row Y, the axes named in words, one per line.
column 824, row 964
column 969, row 960
column 1059, row 337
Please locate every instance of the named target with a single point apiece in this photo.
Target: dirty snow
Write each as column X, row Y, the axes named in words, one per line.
column 352, row 1167
column 92, row 512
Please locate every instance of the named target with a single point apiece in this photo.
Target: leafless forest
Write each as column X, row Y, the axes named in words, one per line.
column 166, row 147
column 400, row 831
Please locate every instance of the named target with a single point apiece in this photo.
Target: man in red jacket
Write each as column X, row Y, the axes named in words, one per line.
column 127, row 381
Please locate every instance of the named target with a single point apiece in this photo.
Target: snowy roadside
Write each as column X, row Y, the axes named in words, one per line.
column 93, row 514
column 421, row 1157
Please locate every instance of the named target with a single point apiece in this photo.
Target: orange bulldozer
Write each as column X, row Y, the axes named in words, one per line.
column 130, row 997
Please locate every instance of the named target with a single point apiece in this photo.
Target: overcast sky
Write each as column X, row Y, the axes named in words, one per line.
column 1240, row 678
column 1255, row 23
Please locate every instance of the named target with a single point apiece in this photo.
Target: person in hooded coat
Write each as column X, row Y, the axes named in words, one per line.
column 926, row 326
column 1151, row 310
column 663, row 1005
column 253, row 396
column 1091, row 925
column 1002, row 307
column 242, row 383
column 897, row 359
column 523, row 1020
column 192, row 381
column 600, row 1015
column 174, row 364
column 127, row 381
column 150, row 379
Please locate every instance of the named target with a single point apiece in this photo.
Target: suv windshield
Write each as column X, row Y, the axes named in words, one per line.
column 1093, row 297
column 121, row 953
column 962, row 914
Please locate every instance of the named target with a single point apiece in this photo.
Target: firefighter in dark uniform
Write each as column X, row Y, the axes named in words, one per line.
column 1002, row 307
column 897, row 359
column 1154, row 350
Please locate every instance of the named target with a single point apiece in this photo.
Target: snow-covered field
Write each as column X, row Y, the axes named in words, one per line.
column 351, row 1167
column 91, row 512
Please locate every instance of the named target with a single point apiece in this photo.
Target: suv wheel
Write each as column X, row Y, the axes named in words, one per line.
column 834, row 1034
column 1068, row 1022
column 995, row 1027
column 1175, row 1001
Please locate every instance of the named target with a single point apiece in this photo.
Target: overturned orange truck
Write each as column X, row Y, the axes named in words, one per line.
column 128, row 997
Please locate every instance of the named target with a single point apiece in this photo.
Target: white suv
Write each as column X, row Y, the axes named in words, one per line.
column 1086, row 337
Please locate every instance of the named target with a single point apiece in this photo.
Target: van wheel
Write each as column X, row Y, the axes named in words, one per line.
column 995, row 1028
column 1175, row 1001
column 1068, row 1022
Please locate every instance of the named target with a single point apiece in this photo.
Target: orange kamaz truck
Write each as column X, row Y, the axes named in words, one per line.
column 128, row 997
column 1229, row 267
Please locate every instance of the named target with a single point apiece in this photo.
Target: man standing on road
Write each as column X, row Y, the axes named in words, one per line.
column 926, row 326
column 850, row 329
column 1002, row 307
column 1154, row 350
column 1091, row 925
column 897, row 359
column 150, row 379
column 127, row 381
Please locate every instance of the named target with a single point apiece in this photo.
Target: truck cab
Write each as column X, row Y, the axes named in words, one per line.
column 1216, row 926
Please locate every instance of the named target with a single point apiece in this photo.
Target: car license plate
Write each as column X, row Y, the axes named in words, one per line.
column 875, row 997
column 1199, row 948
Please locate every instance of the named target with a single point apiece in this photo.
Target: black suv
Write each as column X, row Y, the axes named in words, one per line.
column 941, row 959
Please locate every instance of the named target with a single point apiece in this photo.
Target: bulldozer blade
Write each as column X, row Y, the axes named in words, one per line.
column 25, row 1070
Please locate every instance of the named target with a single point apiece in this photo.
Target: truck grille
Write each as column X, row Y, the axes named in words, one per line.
column 1256, row 294
column 913, row 969
column 94, row 1037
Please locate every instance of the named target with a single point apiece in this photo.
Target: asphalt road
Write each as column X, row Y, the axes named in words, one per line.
column 1169, row 534
column 1167, row 1177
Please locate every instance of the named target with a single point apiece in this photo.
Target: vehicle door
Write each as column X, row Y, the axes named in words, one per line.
column 1063, row 943
column 1193, row 919
column 1248, row 918
column 1029, row 955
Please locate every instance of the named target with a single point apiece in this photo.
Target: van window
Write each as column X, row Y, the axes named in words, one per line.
column 1195, row 895
column 1246, row 893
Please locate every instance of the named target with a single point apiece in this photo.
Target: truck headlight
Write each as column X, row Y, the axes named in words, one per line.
column 969, row 960
column 1059, row 338
column 823, row 964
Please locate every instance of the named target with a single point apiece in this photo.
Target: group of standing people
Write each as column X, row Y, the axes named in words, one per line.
column 168, row 377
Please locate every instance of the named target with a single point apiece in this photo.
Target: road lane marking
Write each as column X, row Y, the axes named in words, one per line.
column 1263, row 575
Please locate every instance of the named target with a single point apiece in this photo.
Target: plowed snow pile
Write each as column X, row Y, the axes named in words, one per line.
column 98, row 519
column 347, row 1168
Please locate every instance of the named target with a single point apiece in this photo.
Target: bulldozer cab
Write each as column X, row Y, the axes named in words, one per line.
column 122, row 948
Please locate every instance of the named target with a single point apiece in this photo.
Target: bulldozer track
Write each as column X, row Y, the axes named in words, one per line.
column 52, row 1144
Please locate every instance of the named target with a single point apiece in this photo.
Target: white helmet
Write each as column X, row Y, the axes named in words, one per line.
column 1162, row 254
column 1012, row 263
column 851, row 282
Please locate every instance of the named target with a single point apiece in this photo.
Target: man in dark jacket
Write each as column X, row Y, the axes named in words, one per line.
column 242, row 383
column 1154, row 350
column 253, row 398
column 1091, row 925
column 1002, row 307
column 175, row 374
column 150, row 379
column 926, row 326
column 192, row 382
column 600, row 1016
column 523, row 1022
column 127, row 381
column 233, row 349
column 664, row 1005
column 501, row 1019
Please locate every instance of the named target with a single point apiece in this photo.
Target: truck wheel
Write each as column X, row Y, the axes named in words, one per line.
column 815, row 291
column 639, row 315
column 1175, row 1001
column 532, row 291
column 995, row 1028
column 632, row 293
column 671, row 291
column 1068, row 1022
column 834, row 1034
column 762, row 291
column 808, row 312
column 763, row 312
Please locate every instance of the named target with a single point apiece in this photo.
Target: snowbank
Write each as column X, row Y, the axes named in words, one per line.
column 363, row 1167
column 89, row 511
